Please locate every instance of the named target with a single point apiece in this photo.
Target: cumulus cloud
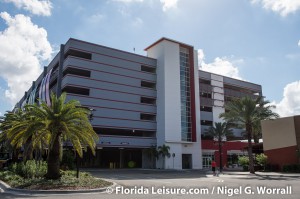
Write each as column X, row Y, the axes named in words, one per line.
column 137, row 22
column 37, row 7
column 23, row 46
column 283, row 7
column 299, row 43
column 222, row 66
column 129, row 1
column 168, row 4
column 290, row 103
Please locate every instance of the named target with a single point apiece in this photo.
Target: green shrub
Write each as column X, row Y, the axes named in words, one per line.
column 261, row 159
column 30, row 169
column 11, row 178
column 243, row 160
column 293, row 168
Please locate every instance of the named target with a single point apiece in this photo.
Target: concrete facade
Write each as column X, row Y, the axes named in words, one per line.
column 141, row 102
column 281, row 140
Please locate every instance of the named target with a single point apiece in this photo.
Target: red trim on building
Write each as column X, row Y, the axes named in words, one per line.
column 123, row 127
column 106, row 71
column 193, row 95
column 114, row 118
column 108, row 48
column 105, row 99
column 282, row 156
column 120, row 109
column 81, row 86
column 167, row 39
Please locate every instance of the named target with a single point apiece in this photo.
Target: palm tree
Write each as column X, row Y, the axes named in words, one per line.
column 152, row 153
column 164, row 152
column 51, row 125
column 247, row 112
column 7, row 121
column 219, row 132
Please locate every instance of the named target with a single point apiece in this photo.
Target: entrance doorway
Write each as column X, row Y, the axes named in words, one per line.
column 187, row 161
column 113, row 158
column 206, row 160
column 122, row 158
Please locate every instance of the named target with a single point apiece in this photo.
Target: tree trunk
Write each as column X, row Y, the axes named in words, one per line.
column 251, row 160
column 28, row 150
column 256, row 138
column 15, row 155
column 220, row 154
column 53, row 165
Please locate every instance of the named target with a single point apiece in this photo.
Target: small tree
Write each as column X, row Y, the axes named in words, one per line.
column 244, row 161
column 219, row 133
column 248, row 112
column 152, row 153
column 164, row 151
column 261, row 159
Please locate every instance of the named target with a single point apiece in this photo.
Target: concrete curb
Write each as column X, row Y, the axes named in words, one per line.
column 6, row 188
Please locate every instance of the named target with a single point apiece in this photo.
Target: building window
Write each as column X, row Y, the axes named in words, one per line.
column 206, row 123
column 185, row 95
column 76, row 71
column 206, row 108
column 145, row 116
column 146, row 84
column 76, row 90
column 77, row 53
column 204, row 81
column 147, row 100
column 148, row 69
column 205, row 95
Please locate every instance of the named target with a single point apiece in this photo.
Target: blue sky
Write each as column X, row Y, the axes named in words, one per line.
column 254, row 40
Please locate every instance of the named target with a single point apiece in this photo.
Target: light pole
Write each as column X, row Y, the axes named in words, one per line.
column 173, row 155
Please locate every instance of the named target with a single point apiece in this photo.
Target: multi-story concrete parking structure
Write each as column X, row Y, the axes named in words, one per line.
column 140, row 101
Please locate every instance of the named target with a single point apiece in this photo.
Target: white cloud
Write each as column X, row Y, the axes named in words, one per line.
column 290, row 103
column 37, row 7
column 299, row 43
column 129, row 1
column 137, row 22
column 222, row 66
column 95, row 18
column 23, row 46
column 283, row 7
column 168, row 4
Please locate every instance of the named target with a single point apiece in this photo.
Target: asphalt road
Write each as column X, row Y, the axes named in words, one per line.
column 187, row 184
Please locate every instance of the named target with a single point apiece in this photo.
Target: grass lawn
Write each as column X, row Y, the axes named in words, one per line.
column 68, row 181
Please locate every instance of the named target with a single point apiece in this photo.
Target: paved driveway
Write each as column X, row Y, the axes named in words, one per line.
column 199, row 183
column 188, row 184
